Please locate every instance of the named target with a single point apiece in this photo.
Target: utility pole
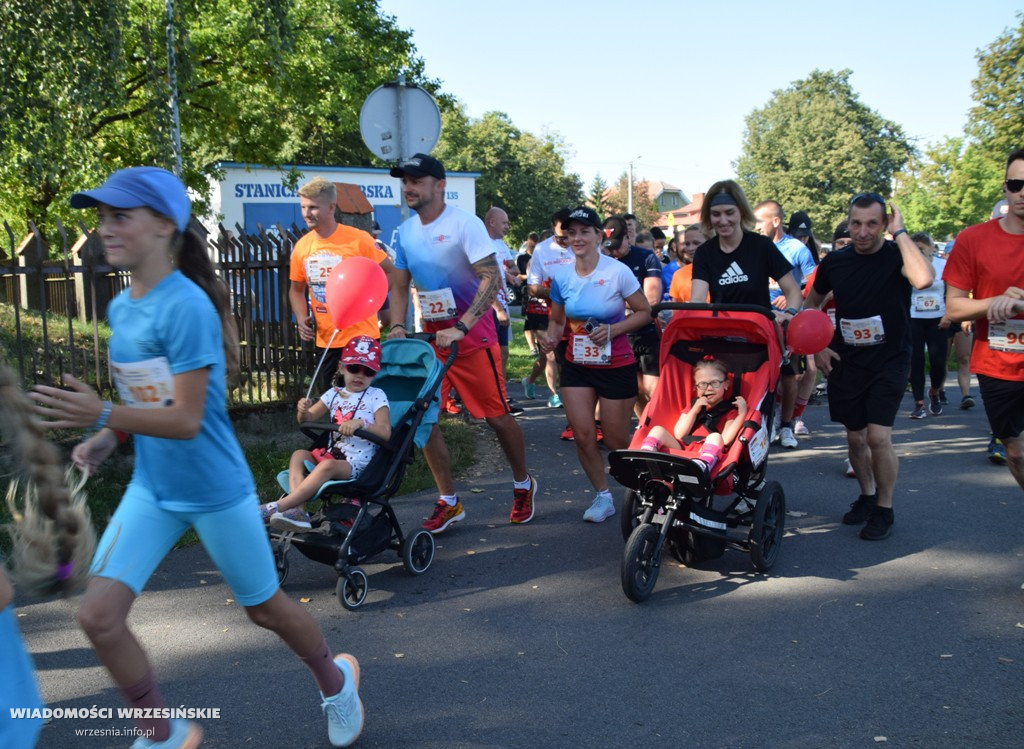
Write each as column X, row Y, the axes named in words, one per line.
column 172, row 79
column 629, row 190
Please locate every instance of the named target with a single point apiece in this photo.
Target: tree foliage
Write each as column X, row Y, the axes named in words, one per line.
column 997, row 119
column 595, row 198
column 644, row 208
column 84, row 88
column 520, row 172
column 815, row 144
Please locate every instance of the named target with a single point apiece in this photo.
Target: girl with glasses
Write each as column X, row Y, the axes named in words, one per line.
column 709, row 412
column 356, row 405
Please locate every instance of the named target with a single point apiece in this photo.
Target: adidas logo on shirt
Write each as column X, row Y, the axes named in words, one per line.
column 733, row 274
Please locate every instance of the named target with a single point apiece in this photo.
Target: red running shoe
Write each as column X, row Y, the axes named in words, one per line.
column 522, row 503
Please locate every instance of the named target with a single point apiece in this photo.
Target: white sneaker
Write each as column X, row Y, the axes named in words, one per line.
column 184, row 735
column 787, row 439
column 344, row 710
column 601, row 509
column 800, row 429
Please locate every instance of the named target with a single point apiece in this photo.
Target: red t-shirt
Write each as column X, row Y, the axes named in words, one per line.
column 986, row 260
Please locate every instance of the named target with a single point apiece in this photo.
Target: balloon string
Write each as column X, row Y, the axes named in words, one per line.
column 318, row 366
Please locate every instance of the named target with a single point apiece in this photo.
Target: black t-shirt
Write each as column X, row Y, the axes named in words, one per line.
column 867, row 287
column 740, row 276
column 644, row 264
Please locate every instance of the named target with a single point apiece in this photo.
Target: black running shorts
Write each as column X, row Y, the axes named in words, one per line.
column 613, row 383
column 1004, row 406
column 858, row 396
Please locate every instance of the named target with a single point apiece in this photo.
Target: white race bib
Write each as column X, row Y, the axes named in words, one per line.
column 318, row 268
column 831, row 312
column 927, row 302
column 1006, row 336
column 144, row 384
column 867, row 331
column 437, row 305
column 585, row 351
column 758, row 446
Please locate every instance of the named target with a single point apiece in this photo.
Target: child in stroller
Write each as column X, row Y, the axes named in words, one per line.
column 355, row 406
column 709, row 414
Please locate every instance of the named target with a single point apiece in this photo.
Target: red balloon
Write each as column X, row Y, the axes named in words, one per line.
column 356, row 289
column 809, row 332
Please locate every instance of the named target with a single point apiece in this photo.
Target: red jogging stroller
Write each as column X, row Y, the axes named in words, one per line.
column 673, row 503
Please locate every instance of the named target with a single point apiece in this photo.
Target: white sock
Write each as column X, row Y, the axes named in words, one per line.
column 450, row 499
column 524, row 484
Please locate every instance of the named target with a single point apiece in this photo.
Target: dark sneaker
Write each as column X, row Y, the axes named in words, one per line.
column 966, row 402
column 860, row 509
column 919, row 412
column 942, row 398
column 996, row 452
column 879, row 525
column 934, row 405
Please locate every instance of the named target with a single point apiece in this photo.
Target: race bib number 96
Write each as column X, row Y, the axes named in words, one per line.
column 1007, row 336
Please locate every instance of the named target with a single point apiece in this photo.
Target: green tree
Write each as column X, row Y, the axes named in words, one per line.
column 84, row 89
column 595, row 198
column 996, row 121
column 645, row 209
column 520, row 172
column 815, row 144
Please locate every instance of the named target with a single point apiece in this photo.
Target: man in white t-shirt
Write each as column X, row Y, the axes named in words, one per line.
column 548, row 256
column 496, row 223
column 448, row 254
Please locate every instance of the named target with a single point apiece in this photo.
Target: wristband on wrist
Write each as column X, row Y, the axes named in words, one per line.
column 790, row 311
column 462, row 326
column 104, row 415
column 898, row 232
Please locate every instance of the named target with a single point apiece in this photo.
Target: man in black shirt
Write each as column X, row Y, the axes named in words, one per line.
column 868, row 362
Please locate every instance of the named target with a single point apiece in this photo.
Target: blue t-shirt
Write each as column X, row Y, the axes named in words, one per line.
column 666, row 279
column 173, row 329
column 18, row 687
column 600, row 295
column 440, row 256
column 799, row 256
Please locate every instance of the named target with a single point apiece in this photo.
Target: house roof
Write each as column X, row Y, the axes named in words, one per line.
column 351, row 199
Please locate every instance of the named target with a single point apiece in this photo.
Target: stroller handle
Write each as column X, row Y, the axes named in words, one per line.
column 714, row 308
column 313, row 429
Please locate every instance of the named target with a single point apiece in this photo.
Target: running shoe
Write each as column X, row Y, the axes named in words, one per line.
column 860, row 509
column 996, row 452
column 879, row 524
column 800, row 429
column 344, row 710
column 919, row 412
column 555, row 401
column 529, row 389
column 787, row 439
column 184, row 735
column 934, row 405
column 599, row 432
column 444, row 516
column 295, row 519
column 267, row 511
column 966, row 402
column 512, row 407
column 850, row 473
column 601, row 509
column 453, row 408
column 567, row 433
column 522, row 503
column 942, row 397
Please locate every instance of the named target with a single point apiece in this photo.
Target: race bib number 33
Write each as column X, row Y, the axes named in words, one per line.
column 144, row 384
column 585, row 351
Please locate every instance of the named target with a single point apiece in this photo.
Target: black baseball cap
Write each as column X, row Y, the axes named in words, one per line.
column 420, row 165
column 614, row 233
column 584, row 215
column 799, row 225
column 842, row 231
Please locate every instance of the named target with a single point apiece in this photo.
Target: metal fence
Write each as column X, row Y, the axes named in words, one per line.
column 55, row 292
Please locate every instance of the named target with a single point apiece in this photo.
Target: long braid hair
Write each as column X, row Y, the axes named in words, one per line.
column 193, row 260
column 53, row 538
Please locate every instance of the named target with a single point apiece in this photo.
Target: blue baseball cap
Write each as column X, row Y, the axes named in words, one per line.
column 140, row 186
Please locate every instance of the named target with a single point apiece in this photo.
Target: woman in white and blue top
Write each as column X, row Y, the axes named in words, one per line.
column 167, row 353
column 928, row 329
column 588, row 324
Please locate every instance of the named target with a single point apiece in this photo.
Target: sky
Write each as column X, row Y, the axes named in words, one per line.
column 667, row 86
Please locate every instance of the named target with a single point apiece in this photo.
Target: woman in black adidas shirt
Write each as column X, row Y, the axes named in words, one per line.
column 735, row 264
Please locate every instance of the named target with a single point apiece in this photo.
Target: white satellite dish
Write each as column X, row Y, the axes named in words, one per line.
column 398, row 120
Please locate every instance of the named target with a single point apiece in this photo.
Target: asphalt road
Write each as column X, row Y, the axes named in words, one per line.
column 520, row 636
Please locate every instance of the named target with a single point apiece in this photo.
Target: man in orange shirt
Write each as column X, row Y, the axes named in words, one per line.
column 988, row 261
column 325, row 245
column 679, row 289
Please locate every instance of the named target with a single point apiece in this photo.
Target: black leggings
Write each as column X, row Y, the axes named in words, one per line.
column 926, row 332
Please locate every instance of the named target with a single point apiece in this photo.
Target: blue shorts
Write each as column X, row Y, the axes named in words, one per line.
column 141, row 533
column 18, row 685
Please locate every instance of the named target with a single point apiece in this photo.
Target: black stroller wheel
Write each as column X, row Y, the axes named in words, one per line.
column 280, row 564
column 418, row 552
column 640, row 564
column 353, row 585
column 768, row 526
column 629, row 518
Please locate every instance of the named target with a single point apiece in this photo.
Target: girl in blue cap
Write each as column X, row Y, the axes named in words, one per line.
column 169, row 359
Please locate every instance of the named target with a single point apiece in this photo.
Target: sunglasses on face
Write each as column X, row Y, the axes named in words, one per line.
column 1014, row 185
column 357, row 369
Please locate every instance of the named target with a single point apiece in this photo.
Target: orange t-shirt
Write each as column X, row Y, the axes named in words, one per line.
column 682, row 280
column 311, row 263
column 986, row 259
